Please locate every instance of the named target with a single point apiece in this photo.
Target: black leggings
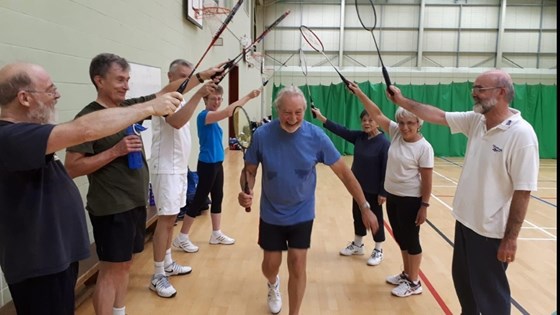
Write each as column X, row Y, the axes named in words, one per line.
column 210, row 181
column 402, row 212
column 359, row 227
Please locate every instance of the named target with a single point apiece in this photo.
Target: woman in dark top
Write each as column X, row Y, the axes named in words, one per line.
column 370, row 161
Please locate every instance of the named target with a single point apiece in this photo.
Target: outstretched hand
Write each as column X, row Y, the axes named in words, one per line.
column 166, row 104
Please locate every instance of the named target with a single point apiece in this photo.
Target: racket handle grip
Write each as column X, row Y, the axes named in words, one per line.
column 312, row 112
column 387, row 79
column 226, row 66
column 247, row 191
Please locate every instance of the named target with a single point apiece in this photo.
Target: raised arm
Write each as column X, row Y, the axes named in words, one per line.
column 183, row 115
column 109, row 121
column 426, row 112
column 374, row 112
column 218, row 115
column 193, row 82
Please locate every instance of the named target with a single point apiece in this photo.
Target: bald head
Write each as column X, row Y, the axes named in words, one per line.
column 500, row 78
column 15, row 77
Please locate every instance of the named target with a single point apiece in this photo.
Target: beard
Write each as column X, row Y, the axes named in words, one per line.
column 483, row 107
column 42, row 114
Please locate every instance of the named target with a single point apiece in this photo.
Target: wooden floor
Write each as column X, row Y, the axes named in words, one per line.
column 228, row 280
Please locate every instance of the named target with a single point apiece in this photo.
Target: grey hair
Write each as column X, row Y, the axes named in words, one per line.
column 179, row 62
column 10, row 86
column 503, row 79
column 403, row 113
column 288, row 91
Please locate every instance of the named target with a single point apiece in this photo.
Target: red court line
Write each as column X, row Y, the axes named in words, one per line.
column 427, row 283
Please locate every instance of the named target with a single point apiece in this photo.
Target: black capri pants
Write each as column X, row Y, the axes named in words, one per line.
column 402, row 212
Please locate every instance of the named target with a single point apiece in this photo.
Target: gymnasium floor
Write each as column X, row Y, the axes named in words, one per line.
column 228, row 280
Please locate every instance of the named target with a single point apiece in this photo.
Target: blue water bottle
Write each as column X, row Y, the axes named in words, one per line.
column 135, row 158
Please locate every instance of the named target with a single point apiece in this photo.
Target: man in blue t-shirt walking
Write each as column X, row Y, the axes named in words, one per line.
column 288, row 149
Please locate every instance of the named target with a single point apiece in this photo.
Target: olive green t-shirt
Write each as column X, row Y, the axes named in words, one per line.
column 114, row 188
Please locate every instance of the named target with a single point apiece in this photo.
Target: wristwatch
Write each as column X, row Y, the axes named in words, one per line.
column 365, row 205
column 197, row 75
column 425, row 204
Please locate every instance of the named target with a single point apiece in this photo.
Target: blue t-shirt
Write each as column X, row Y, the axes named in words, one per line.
column 210, row 140
column 42, row 218
column 289, row 176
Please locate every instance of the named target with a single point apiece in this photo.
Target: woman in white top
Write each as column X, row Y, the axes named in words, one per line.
column 408, row 182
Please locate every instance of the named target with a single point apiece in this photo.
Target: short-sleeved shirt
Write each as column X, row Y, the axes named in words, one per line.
column 370, row 156
column 289, row 176
column 497, row 162
column 42, row 219
column 404, row 163
column 210, row 139
column 114, row 188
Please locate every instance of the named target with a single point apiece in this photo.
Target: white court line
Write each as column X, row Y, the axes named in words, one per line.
column 532, row 226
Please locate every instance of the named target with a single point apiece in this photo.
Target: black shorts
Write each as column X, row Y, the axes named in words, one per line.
column 278, row 237
column 50, row 294
column 120, row 235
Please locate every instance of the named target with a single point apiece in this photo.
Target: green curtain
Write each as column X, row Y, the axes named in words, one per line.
column 537, row 104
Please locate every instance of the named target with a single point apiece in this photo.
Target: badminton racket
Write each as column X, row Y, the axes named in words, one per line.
column 368, row 18
column 267, row 75
column 226, row 68
column 243, row 135
column 228, row 19
column 315, row 42
column 303, row 65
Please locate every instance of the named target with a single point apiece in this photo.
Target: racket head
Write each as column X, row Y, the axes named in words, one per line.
column 242, row 128
column 311, row 38
column 367, row 15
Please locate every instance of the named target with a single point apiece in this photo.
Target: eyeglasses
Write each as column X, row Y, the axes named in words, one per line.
column 53, row 92
column 478, row 89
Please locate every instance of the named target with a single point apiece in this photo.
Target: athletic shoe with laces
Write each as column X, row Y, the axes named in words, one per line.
column 352, row 249
column 160, row 284
column 376, row 257
column 177, row 270
column 185, row 245
column 274, row 298
column 396, row 279
column 407, row 288
column 221, row 239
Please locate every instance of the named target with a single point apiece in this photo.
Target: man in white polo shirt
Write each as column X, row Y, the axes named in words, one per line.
column 500, row 171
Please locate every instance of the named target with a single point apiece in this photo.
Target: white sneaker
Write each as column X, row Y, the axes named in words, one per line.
column 352, row 249
column 221, row 239
column 177, row 270
column 185, row 245
column 274, row 298
column 160, row 284
column 396, row 279
column 376, row 257
column 407, row 288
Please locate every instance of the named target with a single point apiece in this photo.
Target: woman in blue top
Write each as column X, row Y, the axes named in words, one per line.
column 209, row 168
column 370, row 161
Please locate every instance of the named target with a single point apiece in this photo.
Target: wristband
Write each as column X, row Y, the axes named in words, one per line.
column 425, row 204
column 197, row 75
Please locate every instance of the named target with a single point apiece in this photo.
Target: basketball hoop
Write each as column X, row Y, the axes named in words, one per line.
column 205, row 12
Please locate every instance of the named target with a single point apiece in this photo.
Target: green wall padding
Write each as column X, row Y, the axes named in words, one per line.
column 537, row 104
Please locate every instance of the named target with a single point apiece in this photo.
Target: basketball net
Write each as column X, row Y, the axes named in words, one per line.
column 212, row 15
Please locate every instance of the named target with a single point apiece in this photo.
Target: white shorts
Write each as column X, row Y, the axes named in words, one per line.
column 170, row 192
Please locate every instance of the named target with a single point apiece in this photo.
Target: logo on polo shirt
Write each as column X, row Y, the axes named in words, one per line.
column 496, row 148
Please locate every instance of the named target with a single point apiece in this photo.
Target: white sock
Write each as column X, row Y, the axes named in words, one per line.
column 379, row 246
column 158, row 268
column 119, row 310
column 168, row 260
column 358, row 240
column 183, row 236
column 217, row 232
